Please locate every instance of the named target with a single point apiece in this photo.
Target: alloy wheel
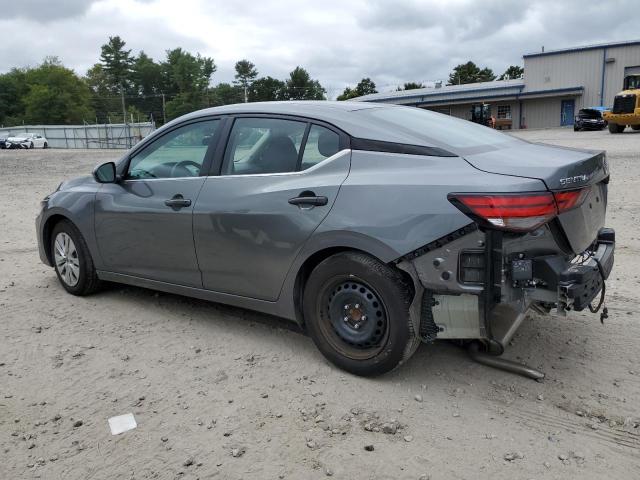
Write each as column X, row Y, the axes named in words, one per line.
column 66, row 259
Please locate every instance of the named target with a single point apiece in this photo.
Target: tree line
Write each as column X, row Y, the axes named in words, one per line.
column 135, row 87
column 122, row 85
column 462, row 74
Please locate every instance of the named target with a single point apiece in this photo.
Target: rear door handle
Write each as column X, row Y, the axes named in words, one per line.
column 178, row 201
column 309, row 200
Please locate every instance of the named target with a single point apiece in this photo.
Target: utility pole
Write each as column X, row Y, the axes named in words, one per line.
column 124, row 114
column 245, row 94
column 164, row 113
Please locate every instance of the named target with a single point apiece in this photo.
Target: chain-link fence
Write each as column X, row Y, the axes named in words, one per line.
column 111, row 135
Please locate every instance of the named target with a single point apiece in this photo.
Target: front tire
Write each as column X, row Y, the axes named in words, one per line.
column 72, row 261
column 31, row 145
column 615, row 128
column 356, row 310
column 46, row 145
column 635, row 127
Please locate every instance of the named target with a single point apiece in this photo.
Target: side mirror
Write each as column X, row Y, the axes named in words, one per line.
column 105, row 173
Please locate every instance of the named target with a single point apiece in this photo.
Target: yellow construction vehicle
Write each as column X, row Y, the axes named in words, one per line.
column 626, row 106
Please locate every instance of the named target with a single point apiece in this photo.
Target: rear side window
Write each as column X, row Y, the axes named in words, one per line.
column 263, row 145
column 321, row 144
column 441, row 130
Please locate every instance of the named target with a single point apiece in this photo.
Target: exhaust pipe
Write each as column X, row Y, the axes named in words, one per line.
column 507, row 365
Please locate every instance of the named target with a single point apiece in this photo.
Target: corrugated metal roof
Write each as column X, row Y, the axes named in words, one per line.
column 445, row 90
column 597, row 46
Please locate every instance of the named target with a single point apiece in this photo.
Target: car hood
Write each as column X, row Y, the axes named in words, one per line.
column 77, row 182
column 558, row 167
column 17, row 139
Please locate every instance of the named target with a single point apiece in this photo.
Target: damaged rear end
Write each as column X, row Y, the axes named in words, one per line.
column 543, row 250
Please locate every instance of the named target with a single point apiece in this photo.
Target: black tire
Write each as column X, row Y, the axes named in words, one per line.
column 635, row 127
column 31, row 145
column 88, row 281
column 576, row 128
column 46, row 145
column 615, row 128
column 335, row 288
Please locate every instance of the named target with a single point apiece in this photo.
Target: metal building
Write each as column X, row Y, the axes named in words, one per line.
column 556, row 84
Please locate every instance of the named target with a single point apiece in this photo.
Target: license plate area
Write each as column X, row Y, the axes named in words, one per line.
column 581, row 225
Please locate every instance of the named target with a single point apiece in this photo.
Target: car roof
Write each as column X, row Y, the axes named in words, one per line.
column 336, row 113
column 360, row 120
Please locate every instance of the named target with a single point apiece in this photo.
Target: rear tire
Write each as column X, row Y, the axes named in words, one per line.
column 46, row 145
column 615, row 128
column 635, row 127
column 72, row 260
column 31, row 145
column 356, row 310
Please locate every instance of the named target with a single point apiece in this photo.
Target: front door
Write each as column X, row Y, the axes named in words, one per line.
column 279, row 180
column 144, row 224
column 567, row 109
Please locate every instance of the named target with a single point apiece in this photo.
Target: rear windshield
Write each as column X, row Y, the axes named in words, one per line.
column 440, row 129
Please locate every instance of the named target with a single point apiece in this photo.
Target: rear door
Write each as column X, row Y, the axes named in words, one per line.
column 278, row 180
column 143, row 224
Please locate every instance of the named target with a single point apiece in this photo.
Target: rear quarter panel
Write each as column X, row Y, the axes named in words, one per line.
column 394, row 203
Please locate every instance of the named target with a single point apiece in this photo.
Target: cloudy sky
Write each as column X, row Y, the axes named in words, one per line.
column 338, row 41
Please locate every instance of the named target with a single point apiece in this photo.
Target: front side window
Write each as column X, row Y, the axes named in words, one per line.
column 263, row 145
column 321, row 143
column 179, row 153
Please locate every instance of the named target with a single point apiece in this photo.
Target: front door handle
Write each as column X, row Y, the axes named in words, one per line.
column 178, row 201
column 309, row 199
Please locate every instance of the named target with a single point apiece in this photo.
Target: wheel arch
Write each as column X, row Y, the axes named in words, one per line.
column 314, row 259
column 47, row 230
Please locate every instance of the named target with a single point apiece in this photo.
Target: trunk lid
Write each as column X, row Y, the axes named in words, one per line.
column 559, row 168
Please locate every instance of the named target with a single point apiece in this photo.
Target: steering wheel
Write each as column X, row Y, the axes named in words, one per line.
column 183, row 164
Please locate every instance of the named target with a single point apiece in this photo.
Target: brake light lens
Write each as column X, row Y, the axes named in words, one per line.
column 520, row 212
column 570, row 199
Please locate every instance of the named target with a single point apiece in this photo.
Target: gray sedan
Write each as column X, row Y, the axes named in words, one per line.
column 374, row 227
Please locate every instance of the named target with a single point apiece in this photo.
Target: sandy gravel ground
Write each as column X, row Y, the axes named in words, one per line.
column 220, row 392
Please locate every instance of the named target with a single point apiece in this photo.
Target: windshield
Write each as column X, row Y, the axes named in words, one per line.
column 440, row 129
column 588, row 113
column 21, row 135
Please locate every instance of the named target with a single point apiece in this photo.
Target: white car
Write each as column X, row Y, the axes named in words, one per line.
column 26, row 140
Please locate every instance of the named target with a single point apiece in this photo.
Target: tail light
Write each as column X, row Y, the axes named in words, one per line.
column 519, row 212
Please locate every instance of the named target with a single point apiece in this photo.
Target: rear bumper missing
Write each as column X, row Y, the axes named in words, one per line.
column 578, row 283
column 479, row 285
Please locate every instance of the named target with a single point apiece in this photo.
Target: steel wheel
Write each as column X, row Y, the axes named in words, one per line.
column 354, row 319
column 66, row 259
column 356, row 310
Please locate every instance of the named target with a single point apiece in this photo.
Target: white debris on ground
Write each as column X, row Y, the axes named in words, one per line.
column 122, row 423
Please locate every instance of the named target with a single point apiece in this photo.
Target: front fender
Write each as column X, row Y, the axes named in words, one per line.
column 75, row 205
